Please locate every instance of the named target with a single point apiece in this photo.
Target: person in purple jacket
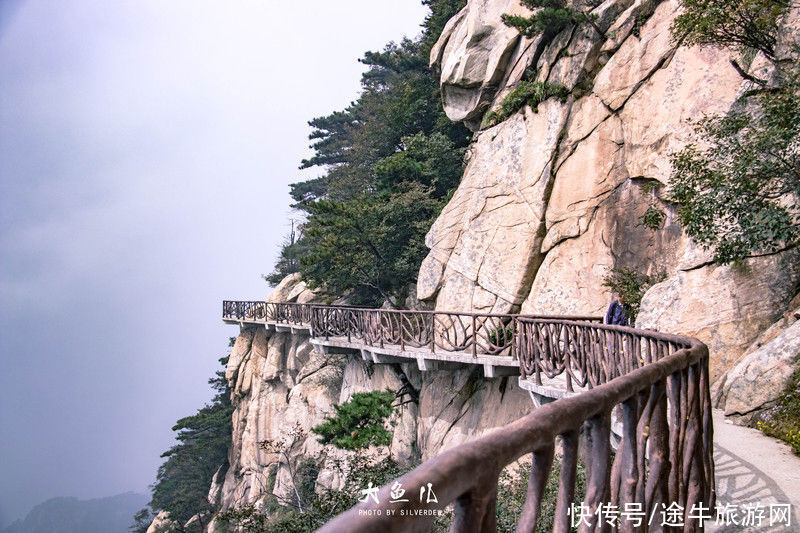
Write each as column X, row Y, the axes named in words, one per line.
column 618, row 312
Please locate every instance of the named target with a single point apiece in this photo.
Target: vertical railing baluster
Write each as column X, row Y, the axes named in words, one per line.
column 598, row 452
column 566, row 483
column 541, row 465
column 693, row 468
column 380, row 326
column 657, row 488
column 567, row 358
column 708, row 434
column 514, row 333
column 432, row 333
column 474, row 338
column 627, row 456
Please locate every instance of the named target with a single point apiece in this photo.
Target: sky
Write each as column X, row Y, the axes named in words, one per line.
column 146, row 147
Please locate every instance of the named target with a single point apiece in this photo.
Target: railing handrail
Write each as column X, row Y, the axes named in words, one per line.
column 659, row 382
column 417, row 311
column 454, row 470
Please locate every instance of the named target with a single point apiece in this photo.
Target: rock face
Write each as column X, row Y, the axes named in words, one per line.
column 751, row 386
column 552, row 199
column 725, row 307
column 282, row 388
column 162, row 523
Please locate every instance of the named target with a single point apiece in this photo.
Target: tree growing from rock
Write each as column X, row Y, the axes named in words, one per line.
column 390, row 159
column 359, row 423
column 738, row 190
column 549, row 18
column 182, row 482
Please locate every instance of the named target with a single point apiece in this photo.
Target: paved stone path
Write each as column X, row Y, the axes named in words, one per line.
column 752, row 469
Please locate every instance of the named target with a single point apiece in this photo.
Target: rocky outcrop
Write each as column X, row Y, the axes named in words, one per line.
column 292, row 289
column 282, row 388
column 751, row 387
column 552, row 199
column 727, row 307
column 162, row 523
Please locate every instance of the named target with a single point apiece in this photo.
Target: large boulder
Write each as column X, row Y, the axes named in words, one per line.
column 284, row 288
column 758, row 378
column 726, row 307
column 473, row 54
column 162, row 523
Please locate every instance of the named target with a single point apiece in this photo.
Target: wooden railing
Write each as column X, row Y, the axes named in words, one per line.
column 281, row 312
column 472, row 333
column 656, row 384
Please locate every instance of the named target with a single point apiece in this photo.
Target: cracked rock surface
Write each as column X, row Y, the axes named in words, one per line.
column 551, row 199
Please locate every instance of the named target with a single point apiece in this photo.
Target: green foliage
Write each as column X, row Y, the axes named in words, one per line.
column 783, row 420
column 141, row 521
column 369, row 247
column 430, row 160
column 740, row 193
column 743, row 24
column 739, row 189
column 631, row 285
column 549, row 18
column 501, row 335
column 391, row 150
column 182, row 481
column 653, row 218
column 530, row 93
column 642, row 14
column 359, row 422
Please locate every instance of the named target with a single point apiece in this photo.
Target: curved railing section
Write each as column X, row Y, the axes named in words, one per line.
column 656, row 384
column 663, row 463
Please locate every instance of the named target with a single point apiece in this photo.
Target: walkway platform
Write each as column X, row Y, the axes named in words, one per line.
column 494, row 366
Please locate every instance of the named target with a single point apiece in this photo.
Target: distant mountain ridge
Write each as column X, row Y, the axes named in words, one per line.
column 113, row 514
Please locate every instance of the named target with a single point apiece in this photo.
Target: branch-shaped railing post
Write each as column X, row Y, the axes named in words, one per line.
column 474, row 338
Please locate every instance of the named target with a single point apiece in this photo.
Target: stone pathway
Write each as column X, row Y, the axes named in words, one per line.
column 752, row 469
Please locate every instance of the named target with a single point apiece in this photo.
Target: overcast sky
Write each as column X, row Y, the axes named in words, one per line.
column 145, row 152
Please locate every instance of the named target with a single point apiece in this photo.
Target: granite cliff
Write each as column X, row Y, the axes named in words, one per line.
column 550, row 200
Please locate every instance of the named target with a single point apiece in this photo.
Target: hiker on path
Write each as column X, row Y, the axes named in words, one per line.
column 617, row 313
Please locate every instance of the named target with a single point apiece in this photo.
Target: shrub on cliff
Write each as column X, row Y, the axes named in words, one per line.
column 530, row 93
column 739, row 195
column 782, row 421
column 743, row 25
column 359, row 422
column 548, row 19
column 369, row 247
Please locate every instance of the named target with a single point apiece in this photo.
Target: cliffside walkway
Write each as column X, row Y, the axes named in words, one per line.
column 435, row 340
column 658, row 384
